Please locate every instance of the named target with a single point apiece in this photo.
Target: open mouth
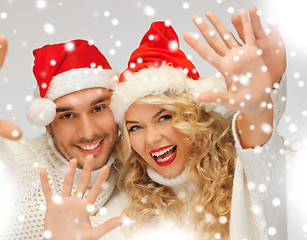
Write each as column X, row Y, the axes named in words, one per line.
column 164, row 156
column 90, row 148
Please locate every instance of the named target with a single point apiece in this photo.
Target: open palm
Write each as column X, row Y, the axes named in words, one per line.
column 68, row 216
column 243, row 67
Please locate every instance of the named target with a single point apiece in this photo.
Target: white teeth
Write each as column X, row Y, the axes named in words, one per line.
column 157, row 154
column 165, row 159
column 90, row 147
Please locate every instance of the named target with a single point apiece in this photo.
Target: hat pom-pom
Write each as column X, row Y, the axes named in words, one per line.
column 41, row 112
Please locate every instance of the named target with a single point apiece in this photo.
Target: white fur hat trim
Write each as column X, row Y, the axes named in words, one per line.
column 156, row 81
column 41, row 111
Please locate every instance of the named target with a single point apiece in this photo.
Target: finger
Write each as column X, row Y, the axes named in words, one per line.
column 69, row 178
column 256, row 23
column 205, row 52
column 107, row 227
column 247, row 28
column 98, row 185
column 9, row 130
column 45, row 185
column 224, row 33
column 85, row 176
column 274, row 29
column 211, row 38
column 3, row 49
column 237, row 23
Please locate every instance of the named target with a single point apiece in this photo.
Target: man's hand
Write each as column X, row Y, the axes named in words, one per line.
column 3, row 49
column 67, row 216
column 9, row 130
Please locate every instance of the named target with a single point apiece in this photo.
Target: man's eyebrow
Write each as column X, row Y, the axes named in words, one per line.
column 99, row 100
column 96, row 101
column 63, row 109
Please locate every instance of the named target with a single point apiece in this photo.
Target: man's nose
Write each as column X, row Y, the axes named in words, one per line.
column 87, row 127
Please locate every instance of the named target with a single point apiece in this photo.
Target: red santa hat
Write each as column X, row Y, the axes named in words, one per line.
column 64, row 68
column 158, row 66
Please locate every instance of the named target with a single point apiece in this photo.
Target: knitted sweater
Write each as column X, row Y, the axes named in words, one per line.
column 24, row 159
column 258, row 207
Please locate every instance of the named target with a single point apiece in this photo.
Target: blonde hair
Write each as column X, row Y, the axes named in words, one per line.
column 211, row 167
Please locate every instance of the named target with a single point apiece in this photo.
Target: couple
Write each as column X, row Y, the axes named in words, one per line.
column 180, row 160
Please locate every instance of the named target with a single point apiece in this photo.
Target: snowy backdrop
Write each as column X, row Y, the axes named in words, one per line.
column 116, row 28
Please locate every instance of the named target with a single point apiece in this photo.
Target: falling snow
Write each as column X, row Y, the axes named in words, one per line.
column 149, row 11
column 292, row 125
column 49, row 28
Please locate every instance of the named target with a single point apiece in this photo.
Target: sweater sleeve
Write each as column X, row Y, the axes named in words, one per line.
column 7, row 158
column 264, row 172
column 263, row 164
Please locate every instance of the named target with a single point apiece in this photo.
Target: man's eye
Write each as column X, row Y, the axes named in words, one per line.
column 67, row 116
column 98, row 109
column 134, row 128
column 165, row 117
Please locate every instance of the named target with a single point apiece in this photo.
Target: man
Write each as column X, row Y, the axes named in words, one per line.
column 74, row 86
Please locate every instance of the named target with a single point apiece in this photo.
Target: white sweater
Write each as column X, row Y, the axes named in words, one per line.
column 24, row 159
column 258, row 208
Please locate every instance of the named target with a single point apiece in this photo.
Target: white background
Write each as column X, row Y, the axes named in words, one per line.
column 117, row 26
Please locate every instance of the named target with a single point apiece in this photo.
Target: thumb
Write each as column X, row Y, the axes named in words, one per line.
column 213, row 97
column 107, row 227
column 9, row 130
column 3, row 49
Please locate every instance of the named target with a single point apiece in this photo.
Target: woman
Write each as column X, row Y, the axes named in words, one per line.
column 181, row 159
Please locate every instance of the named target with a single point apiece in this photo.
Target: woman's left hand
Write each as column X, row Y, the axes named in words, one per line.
column 246, row 75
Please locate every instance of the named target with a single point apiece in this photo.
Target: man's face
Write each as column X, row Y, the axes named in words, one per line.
column 84, row 125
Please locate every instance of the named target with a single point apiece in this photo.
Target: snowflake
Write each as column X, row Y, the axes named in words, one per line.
column 149, row 11
column 41, row 4
column 49, row 28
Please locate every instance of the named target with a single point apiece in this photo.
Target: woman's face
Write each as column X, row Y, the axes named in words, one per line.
column 153, row 136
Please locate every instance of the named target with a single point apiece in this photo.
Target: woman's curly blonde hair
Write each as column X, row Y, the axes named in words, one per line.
column 211, row 167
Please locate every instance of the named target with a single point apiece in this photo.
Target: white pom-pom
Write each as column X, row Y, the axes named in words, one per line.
column 41, row 112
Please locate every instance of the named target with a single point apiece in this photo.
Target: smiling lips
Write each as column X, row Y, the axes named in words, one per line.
column 165, row 155
column 90, row 148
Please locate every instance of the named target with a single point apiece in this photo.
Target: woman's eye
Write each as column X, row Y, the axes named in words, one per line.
column 164, row 118
column 134, row 128
column 67, row 116
column 98, row 108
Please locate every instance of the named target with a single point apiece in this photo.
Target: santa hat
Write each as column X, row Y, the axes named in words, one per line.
column 158, row 66
column 64, row 68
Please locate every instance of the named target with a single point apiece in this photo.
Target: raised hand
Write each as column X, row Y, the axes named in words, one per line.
column 3, row 49
column 271, row 44
column 68, row 216
column 247, row 79
column 9, row 130
column 246, row 74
